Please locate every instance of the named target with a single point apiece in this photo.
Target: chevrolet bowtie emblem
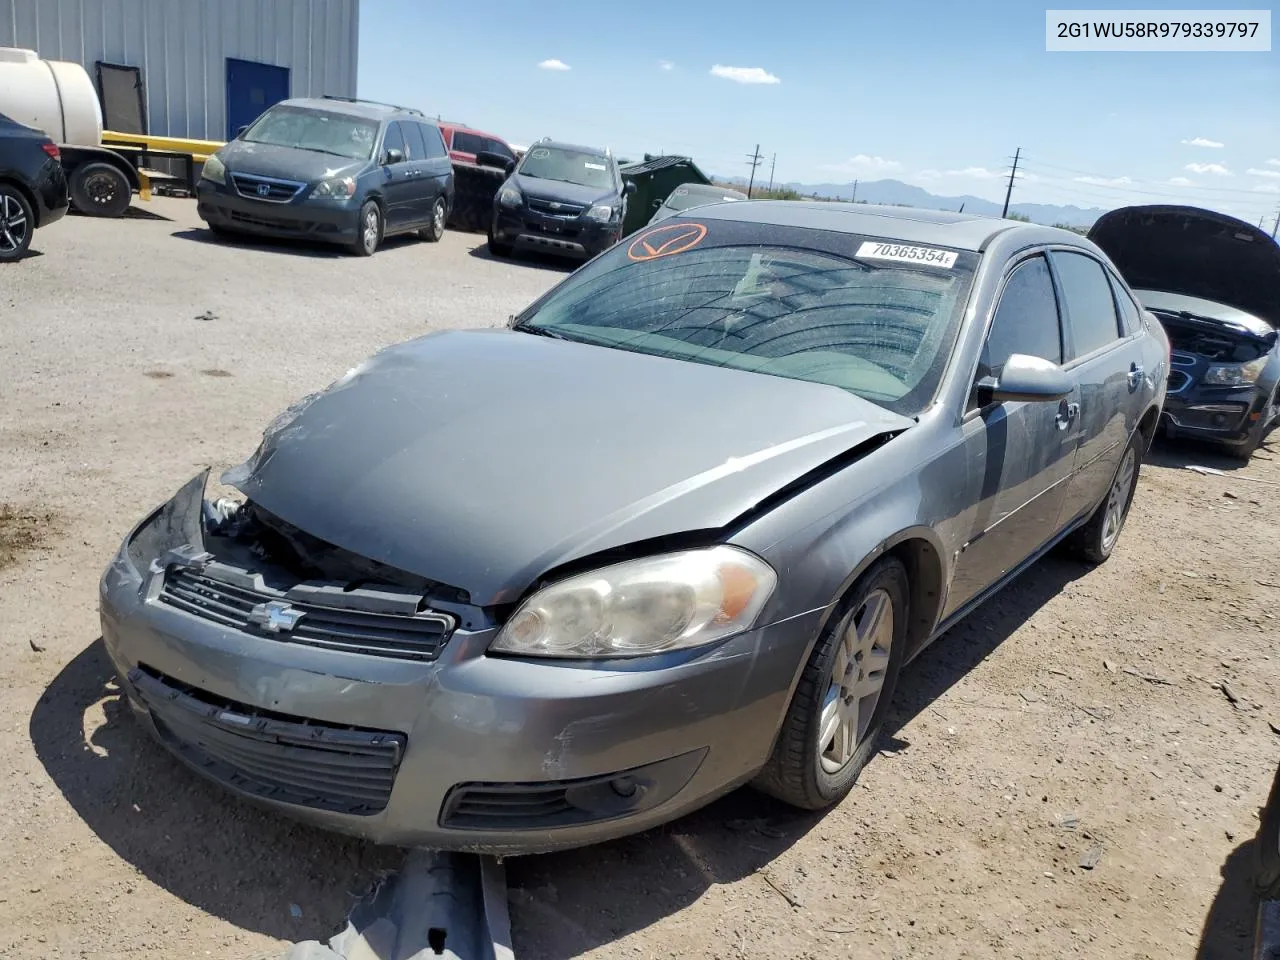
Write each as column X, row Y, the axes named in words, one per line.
column 275, row 616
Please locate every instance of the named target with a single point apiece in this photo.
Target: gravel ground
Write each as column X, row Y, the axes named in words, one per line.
column 1064, row 774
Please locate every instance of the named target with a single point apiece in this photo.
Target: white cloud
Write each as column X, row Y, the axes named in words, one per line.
column 1267, row 188
column 1180, row 181
column 976, row 173
column 1203, row 142
column 863, row 164
column 744, row 74
column 1273, row 163
column 1215, row 168
column 1259, row 172
column 1104, row 181
column 554, row 64
column 666, row 65
column 929, row 175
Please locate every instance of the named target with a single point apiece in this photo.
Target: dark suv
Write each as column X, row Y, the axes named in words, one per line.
column 561, row 199
column 342, row 171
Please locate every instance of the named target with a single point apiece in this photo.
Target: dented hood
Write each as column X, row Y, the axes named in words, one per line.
column 482, row 459
column 1195, row 253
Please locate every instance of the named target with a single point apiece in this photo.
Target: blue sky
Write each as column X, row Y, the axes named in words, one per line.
column 934, row 93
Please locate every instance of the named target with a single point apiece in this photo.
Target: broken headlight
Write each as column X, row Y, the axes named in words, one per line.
column 1234, row 374
column 640, row 607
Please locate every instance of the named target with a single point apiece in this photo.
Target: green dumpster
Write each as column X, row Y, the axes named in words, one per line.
column 655, row 178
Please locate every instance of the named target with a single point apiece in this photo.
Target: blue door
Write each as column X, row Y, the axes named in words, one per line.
column 251, row 88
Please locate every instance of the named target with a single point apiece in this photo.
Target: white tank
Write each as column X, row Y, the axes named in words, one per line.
column 51, row 95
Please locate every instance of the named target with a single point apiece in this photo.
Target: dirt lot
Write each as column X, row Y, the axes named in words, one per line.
column 1076, row 719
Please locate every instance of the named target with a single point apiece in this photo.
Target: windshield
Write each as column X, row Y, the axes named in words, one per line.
column 568, row 166
column 682, row 198
column 785, row 301
column 335, row 133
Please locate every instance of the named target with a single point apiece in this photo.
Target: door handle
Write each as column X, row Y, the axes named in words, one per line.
column 1066, row 414
column 1135, row 375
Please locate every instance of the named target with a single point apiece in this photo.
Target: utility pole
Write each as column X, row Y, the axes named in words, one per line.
column 772, row 163
column 854, row 198
column 1012, row 173
column 753, row 160
column 1275, row 226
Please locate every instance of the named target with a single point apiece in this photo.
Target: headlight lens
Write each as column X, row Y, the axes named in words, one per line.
column 641, row 607
column 336, row 188
column 510, row 197
column 602, row 212
column 214, row 170
column 1235, row 374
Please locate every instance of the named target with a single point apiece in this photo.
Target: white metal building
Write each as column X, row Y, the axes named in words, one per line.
column 193, row 68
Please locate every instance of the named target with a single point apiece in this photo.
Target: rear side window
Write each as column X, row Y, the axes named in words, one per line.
column 1090, row 303
column 432, row 139
column 467, row 142
column 1026, row 320
column 412, row 133
column 394, row 140
column 1130, row 318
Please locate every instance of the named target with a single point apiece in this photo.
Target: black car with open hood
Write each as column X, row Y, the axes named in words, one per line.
column 1214, row 284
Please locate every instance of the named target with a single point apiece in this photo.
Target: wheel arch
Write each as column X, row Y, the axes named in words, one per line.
column 1147, row 426
column 75, row 157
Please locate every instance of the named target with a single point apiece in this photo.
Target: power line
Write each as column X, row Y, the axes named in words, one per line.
column 753, row 160
column 1012, row 174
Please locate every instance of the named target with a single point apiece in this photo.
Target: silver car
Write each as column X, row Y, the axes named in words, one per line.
column 678, row 529
column 690, row 195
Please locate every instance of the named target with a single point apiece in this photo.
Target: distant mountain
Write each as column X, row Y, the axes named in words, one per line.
column 897, row 192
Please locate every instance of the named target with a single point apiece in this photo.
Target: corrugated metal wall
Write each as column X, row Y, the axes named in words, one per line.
column 181, row 47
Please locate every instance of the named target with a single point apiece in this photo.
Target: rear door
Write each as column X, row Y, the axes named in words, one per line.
column 1024, row 452
column 399, row 180
column 1104, row 357
column 437, row 167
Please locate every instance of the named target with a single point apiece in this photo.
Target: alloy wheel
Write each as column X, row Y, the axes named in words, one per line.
column 858, row 674
column 1118, row 499
column 437, row 218
column 369, row 231
column 14, row 225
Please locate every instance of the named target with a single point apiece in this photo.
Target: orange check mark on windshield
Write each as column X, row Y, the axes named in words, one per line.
column 666, row 241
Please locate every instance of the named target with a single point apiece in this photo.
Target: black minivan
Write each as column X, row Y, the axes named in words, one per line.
column 561, row 199
column 342, row 171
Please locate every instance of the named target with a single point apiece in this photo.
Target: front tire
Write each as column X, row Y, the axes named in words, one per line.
column 369, row 230
column 1094, row 542
column 434, row 230
column 1245, row 451
column 100, row 190
column 837, row 713
column 497, row 248
column 17, row 224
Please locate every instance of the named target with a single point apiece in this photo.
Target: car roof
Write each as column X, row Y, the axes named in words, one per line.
column 578, row 148
column 962, row 231
column 355, row 108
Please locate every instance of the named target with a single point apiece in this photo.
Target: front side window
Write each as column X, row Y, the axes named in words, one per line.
column 1091, row 307
column 412, row 133
column 394, row 140
column 316, row 130
column 568, row 166
column 1130, row 318
column 1025, row 321
column 783, row 301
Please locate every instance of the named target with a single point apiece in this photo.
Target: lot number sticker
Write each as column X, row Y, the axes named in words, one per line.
column 873, row 250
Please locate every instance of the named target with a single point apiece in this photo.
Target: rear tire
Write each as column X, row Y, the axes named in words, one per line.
column 1094, row 542
column 17, row 224
column 100, row 190
column 369, row 229
column 833, row 725
column 434, row 230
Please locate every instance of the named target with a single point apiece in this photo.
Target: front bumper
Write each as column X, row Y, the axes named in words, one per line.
column 468, row 752
column 579, row 237
column 331, row 221
column 1223, row 415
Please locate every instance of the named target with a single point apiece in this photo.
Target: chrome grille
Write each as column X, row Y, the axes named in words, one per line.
column 273, row 756
column 555, row 208
column 283, row 617
column 1177, row 381
column 266, row 188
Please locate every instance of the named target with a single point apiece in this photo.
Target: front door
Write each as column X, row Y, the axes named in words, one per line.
column 400, row 187
column 251, row 88
column 1024, row 452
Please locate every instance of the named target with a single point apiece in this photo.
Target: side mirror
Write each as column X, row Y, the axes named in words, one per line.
column 393, row 156
column 628, row 188
column 1030, row 379
column 487, row 158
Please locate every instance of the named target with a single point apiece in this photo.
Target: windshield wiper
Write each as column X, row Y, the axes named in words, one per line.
column 524, row 327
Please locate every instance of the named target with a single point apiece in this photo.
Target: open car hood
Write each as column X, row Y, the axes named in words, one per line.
column 1196, row 253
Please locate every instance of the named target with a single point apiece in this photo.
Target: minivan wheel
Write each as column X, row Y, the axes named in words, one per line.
column 1094, row 542
column 434, row 230
column 368, row 229
column 17, row 223
column 837, row 713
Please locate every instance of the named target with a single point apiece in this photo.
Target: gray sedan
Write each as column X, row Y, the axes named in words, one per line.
column 678, row 529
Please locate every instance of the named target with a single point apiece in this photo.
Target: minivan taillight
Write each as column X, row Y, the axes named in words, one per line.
column 51, row 149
